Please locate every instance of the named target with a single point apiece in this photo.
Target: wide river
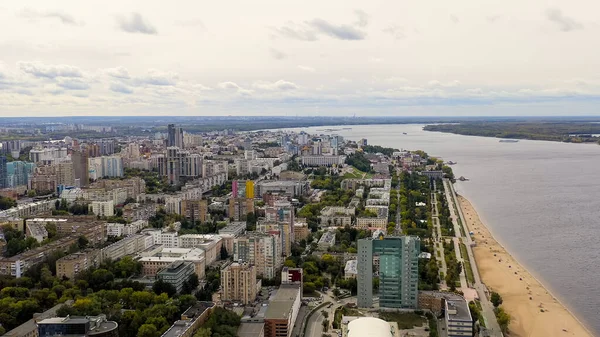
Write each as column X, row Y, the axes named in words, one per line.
column 540, row 199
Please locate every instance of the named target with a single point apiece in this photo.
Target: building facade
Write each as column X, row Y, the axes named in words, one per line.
column 398, row 271
column 238, row 283
column 176, row 274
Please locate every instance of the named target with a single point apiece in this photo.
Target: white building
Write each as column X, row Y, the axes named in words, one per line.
column 119, row 229
column 318, row 160
column 103, row 208
column 106, row 166
column 350, row 270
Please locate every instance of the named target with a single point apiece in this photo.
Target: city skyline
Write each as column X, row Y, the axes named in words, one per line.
column 306, row 59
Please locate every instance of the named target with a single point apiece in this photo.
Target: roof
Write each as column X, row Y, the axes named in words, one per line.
column 250, row 330
column 461, row 310
column 282, row 302
column 351, row 267
column 369, row 326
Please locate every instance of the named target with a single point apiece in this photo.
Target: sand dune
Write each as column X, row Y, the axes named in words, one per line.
column 535, row 312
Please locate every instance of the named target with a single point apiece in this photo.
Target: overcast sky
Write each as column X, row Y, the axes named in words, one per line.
column 281, row 57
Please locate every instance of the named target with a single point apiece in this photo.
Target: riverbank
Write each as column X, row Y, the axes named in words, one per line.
column 535, row 312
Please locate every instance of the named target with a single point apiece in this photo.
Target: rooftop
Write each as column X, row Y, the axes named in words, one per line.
column 351, row 267
column 251, row 329
column 281, row 304
column 457, row 310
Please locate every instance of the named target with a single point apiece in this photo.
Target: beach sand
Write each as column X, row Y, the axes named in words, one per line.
column 502, row 273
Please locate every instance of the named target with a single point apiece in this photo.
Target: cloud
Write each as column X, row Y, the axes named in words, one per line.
column 296, row 32
column 438, row 84
column 135, row 23
column 454, row 18
column 73, row 84
column 63, row 17
column 396, row 31
column 363, row 18
column 118, row 72
column 307, row 68
column 157, row 77
column 494, row 18
column 232, row 86
column 342, row 32
column 278, row 55
column 565, row 23
column 192, row 23
column 38, row 69
column 280, row 85
column 121, row 88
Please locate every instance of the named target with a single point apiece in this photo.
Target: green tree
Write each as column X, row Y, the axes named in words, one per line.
column 224, row 253
column 147, row 330
column 82, row 242
column 161, row 286
column 496, row 299
column 6, row 203
column 203, row 332
column 503, row 319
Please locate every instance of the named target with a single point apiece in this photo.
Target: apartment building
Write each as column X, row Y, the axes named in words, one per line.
column 238, row 283
column 262, row 250
column 71, row 265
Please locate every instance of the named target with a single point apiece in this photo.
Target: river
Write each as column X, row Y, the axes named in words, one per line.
column 541, row 200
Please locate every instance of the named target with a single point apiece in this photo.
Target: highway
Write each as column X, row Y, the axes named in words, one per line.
column 488, row 309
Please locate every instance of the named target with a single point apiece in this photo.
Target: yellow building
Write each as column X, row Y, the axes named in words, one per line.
column 250, row 189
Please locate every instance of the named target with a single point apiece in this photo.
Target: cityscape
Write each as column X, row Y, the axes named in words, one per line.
column 299, row 169
column 277, row 233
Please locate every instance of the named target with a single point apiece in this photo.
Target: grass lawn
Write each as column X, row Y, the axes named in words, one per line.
column 343, row 311
column 467, row 263
column 357, row 174
column 405, row 320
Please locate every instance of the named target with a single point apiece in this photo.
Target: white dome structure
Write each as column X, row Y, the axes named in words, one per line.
column 369, row 326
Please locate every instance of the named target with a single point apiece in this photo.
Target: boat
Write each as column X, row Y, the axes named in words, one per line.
column 404, row 133
column 509, row 140
column 451, row 162
column 463, row 178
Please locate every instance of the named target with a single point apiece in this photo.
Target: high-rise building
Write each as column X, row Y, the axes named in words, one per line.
column 179, row 163
column 195, row 210
column 259, row 249
column 65, row 174
column 80, row 167
column 18, row 173
column 398, row 271
column 239, row 208
column 250, row 189
column 238, row 283
column 175, row 136
column 106, row 166
column 3, row 173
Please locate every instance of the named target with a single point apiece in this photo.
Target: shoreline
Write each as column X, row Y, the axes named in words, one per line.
column 524, row 296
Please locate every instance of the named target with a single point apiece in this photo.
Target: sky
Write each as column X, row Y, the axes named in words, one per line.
column 304, row 58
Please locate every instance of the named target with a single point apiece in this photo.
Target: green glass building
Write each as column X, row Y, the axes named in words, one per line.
column 398, row 271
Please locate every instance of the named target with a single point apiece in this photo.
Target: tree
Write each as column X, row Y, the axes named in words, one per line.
column 6, row 203
column 336, row 292
column 161, row 286
column 82, row 242
column 147, row 330
column 503, row 319
column 203, row 332
column 224, row 253
column 496, row 299
column 325, row 325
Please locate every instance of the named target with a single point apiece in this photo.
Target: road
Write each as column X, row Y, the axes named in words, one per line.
column 315, row 323
column 438, row 239
column 488, row 311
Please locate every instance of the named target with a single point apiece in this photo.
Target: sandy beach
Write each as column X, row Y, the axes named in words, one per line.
column 534, row 311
